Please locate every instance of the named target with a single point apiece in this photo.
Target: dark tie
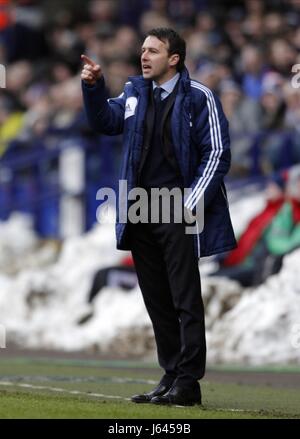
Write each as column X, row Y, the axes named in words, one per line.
column 157, row 94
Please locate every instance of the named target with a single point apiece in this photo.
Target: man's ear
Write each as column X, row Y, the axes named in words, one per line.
column 174, row 59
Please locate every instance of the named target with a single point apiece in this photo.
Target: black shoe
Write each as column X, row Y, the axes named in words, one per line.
column 180, row 395
column 159, row 390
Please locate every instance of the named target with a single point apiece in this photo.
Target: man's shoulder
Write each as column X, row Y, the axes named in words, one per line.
column 200, row 89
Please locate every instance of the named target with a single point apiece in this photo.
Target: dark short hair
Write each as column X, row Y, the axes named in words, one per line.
column 176, row 43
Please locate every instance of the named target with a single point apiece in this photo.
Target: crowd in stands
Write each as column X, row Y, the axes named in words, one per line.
column 243, row 50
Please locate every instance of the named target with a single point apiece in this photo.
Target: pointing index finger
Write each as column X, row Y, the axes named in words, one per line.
column 87, row 60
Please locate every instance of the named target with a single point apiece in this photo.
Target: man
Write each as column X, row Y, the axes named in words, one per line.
column 175, row 135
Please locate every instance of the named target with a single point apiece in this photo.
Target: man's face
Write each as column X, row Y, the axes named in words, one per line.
column 155, row 59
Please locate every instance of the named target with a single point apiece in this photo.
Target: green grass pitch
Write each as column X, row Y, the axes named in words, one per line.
column 41, row 388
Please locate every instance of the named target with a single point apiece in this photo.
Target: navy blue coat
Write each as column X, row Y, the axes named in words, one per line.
column 201, row 144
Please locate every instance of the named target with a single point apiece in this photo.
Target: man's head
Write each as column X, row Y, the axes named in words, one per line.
column 163, row 54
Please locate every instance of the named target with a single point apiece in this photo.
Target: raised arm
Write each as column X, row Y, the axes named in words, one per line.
column 105, row 115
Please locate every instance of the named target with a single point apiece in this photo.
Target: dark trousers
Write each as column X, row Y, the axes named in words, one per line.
column 168, row 275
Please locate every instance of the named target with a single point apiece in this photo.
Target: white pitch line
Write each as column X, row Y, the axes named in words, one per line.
column 57, row 389
column 78, row 379
column 99, row 395
column 71, row 392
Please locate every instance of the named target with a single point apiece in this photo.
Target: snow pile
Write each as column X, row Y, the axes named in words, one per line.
column 17, row 240
column 264, row 326
column 42, row 307
column 21, row 248
column 219, row 296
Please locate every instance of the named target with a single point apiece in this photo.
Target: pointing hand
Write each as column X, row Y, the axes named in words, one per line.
column 91, row 71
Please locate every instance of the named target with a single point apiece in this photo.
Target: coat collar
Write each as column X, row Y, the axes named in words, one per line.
column 184, row 81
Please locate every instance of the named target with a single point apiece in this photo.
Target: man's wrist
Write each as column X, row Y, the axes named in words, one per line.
column 96, row 84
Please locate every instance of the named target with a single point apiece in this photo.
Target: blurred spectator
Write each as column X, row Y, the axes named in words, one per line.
column 282, row 56
column 11, row 121
column 252, row 66
column 117, row 75
column 121, row 276
column 283, row 236
column 130, row 12
column 23, row 34
column 126, row 42
column 4, row 15
column 276, row 145
column 103, row 11
column 152, row 19
column 292, row 99
column 269, row 236
column 19, row 76
column 246, row 263
column 207, row 74
column 243, row 115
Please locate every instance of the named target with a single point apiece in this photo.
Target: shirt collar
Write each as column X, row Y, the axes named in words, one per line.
column 167, row 86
